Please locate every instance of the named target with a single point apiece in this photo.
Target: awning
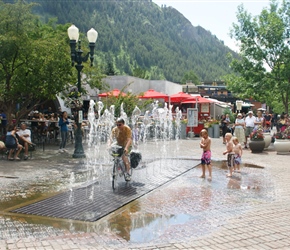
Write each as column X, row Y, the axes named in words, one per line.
column 197, row 99
column 179, row 97
column 114, row 92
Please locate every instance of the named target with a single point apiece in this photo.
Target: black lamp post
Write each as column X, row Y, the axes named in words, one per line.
column 76, row 57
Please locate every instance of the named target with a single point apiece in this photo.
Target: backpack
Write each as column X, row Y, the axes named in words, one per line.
column 135, row 159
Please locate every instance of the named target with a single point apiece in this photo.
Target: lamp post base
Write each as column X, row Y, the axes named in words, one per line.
column 78, row 155
column 79, row 150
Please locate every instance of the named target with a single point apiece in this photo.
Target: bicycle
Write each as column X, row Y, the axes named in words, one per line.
column 119, row 168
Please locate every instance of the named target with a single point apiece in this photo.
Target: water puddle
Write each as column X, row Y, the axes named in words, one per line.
column 191, row 204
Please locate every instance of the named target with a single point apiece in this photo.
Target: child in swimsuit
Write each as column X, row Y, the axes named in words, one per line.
column 206, row 155
column 238, row 154
column 230, row 153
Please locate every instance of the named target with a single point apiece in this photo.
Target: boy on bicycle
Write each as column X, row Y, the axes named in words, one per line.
column 123, row 134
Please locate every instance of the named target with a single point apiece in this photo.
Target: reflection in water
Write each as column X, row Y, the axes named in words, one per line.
column 122, row 223
column 155, row 226
column 136, row 226
column 242, row 180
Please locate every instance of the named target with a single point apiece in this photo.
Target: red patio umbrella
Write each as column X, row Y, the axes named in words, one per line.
column 151, row 93
column 179, row 97
column 114, row 92
column 200, row 99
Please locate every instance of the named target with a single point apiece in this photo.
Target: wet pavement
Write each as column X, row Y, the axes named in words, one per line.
column 93, row 201
column 248, row 211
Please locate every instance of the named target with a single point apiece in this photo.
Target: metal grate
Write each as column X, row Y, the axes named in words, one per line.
column 96, row 200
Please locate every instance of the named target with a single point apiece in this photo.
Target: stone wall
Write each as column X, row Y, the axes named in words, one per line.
column 138, row 85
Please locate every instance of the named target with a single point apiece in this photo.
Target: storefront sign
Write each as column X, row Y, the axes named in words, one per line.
column 192, row 117
column 204, row 108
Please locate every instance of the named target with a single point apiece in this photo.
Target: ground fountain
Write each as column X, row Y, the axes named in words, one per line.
column 157, row 126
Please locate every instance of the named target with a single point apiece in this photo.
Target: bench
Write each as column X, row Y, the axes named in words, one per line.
column 4, row 152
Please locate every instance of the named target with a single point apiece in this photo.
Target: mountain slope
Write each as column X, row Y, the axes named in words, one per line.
column 140, row 34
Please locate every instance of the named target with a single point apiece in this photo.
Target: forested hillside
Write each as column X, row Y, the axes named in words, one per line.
column 140, row 35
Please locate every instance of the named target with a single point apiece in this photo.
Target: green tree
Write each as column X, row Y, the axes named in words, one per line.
column 110, row 69
column 264, row 63
column 141, row 73
column 34, row 59
column 190, row 76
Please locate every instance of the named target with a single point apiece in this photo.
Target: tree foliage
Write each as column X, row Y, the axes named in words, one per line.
column 34, row 59
column 264, row 63
column 35, row 62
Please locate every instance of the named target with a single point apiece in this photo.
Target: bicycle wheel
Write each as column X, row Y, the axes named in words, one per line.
column 115, row 176
column 125, row 174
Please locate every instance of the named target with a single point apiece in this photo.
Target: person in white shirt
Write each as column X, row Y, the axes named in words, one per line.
column 250, row 124
column 25, row 138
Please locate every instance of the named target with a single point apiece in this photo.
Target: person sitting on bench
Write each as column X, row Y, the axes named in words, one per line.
column 25, row 139
column 11, row 143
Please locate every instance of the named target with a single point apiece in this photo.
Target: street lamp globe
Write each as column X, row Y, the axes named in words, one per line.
column 73, row 33
column 92, row 35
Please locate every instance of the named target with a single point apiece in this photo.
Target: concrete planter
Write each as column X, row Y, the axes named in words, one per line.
column 267, row 139
column 216, row 131
column 257, row 146
column 183, row 130
column 282, row 146
column 210, row 132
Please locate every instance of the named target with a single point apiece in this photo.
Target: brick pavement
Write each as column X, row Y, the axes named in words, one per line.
column 264, row 226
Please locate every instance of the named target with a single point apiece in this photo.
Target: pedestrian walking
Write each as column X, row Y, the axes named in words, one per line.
column 62, row 123
column 205, row 144
column 225, row 122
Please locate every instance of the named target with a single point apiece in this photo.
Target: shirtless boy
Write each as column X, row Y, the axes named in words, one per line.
column 238, row 154
column 206, row 155
column 229, row 151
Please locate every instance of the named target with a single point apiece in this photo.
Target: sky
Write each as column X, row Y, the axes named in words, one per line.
column 216, row 16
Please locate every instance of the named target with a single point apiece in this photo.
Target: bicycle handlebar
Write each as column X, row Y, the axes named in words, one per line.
column 116, row 150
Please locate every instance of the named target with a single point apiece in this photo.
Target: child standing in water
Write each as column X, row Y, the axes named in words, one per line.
column 206, row 155
column 229, row 151
column 238, row 154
